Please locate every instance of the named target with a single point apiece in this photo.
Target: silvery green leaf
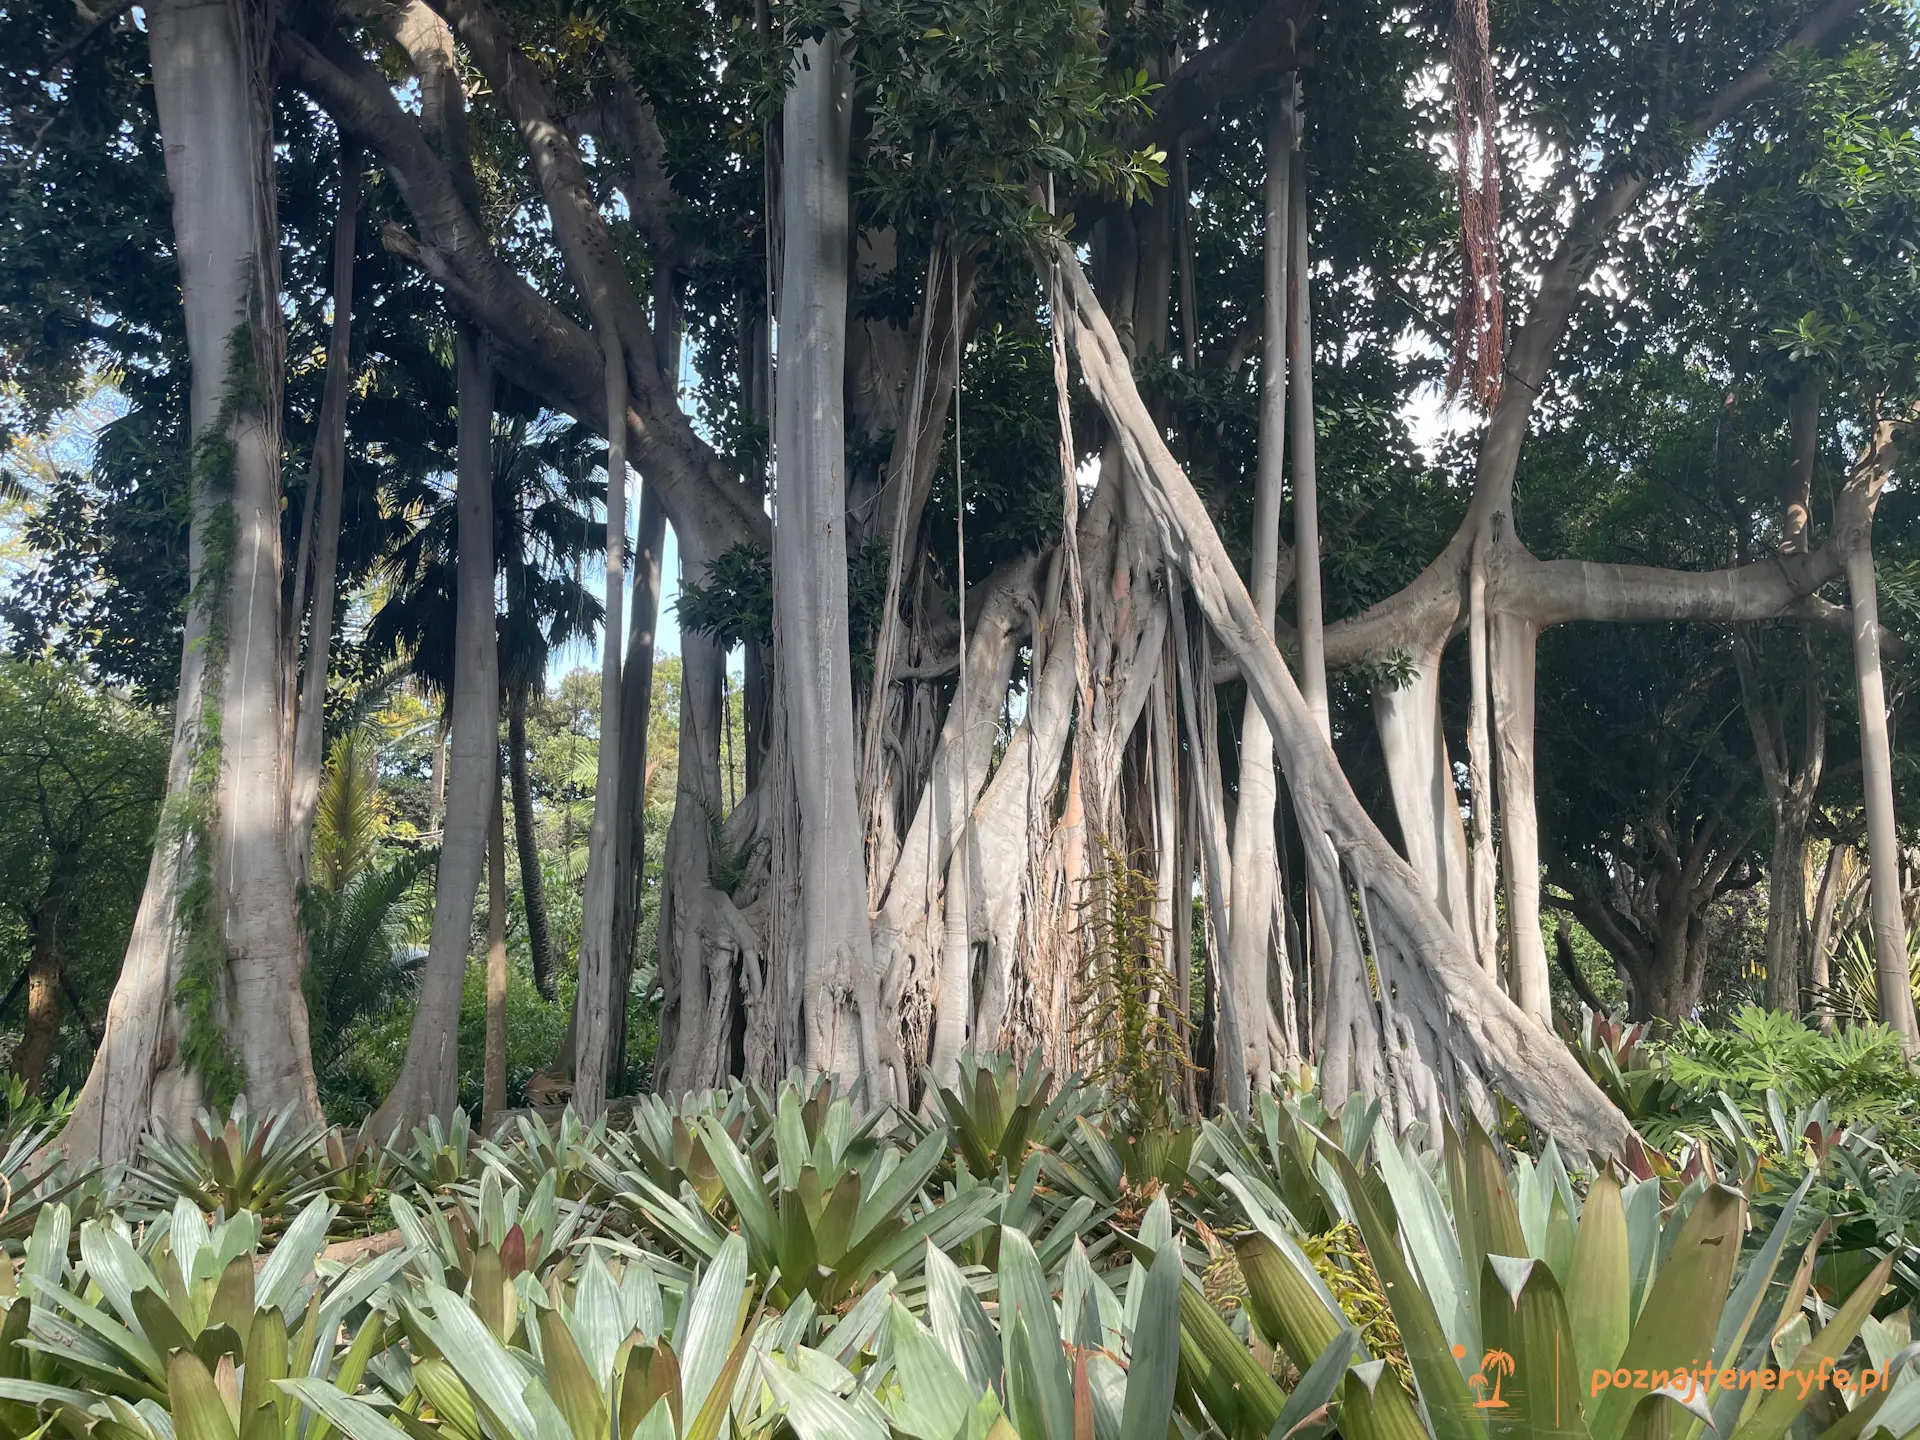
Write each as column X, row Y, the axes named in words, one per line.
column 858, row 1328
column 596, row 1320
column 188, row 1233
column 710, row 1323
column 292, row 1259
column 959, row 1322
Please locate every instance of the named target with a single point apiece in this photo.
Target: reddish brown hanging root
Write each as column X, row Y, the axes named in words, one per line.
column 1479, row 326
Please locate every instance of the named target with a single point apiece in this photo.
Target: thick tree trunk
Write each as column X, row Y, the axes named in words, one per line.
column 325, row 481
column 1786, row 911
column 1513, row 663
column 706, row 944
column 1892, row 978
column 1250, row 938
column 493, row 1077
column 526, row 840
column 212, row 973
column 1483, row 877
column 428, row 1081
column 1420, row 774
column 1790, row 797
column 42, row 1028
column 838, row 992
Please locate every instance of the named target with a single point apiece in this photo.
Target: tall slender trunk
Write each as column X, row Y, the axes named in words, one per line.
column 1790, row 796
column 636, row 709
column 1893, row 981
column 428, row 1081
column 325, row 481
column 533, row 880
column 209, row 995
column 1820, row 943
column 838, row 991
column 1484, row 867
column 1306, row 489
column 1420, row 773
column 593, row 1000
column 493, row 1078
column 1250, row 936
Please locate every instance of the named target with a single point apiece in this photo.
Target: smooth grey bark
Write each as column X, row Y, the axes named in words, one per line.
column 839, row 993
column 325, row 481
column 1250, row 936
column 593, row 995
column 1893, row 980
column 427, row 1084
column 493, row 1069
column 636, row 709
column 1451, row 1032
column 706, row 943
column 1512, row 676
column 208, row 65
column 1835, row 876
column 1306, row 489
column 1790, row 796
column 1483, row 877
column 1420, row 775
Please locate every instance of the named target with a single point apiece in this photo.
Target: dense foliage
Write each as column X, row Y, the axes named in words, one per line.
column 762, row 1264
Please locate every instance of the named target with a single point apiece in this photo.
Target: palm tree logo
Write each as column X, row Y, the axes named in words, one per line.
column 1499, row 1364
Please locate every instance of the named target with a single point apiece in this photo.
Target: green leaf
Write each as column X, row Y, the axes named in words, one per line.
column 1154, row 1364
column 1526, row 1333
column 1373, row 1406
column 712, row 1321
column 1242, row 1398
column 199, row 1412
column 570, row 1382
column 1317, row 1388
column 1449, row 1406
column 1778, row 1411
column 960, row 1323
column 1677, row 1323
column 934, row 1398
column 482, row 1364
column 1285, row 1305
column 353, row 1418
column 1431, row 1240
column 1599, row 1301
column 814, row 1412
column 743, row 1186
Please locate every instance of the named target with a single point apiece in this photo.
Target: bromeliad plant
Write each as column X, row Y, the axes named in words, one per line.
column 188, row 1333
column 610, row 1355
column 995, row 1112
column 828, row 1212
column 1609, row 1317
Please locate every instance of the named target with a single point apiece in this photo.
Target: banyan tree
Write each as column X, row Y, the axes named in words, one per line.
column 998, row 366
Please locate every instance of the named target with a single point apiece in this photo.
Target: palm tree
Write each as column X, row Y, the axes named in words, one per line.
column 544, row 489
column 357, row 903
